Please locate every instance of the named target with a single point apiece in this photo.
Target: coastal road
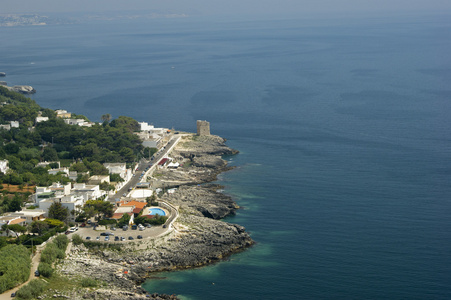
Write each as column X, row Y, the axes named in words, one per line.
column 146, row 168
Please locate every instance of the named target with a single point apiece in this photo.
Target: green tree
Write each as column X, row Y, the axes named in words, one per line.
column 99, row 208
column 17, row 228
column 58, row 211
column 50, row 154
column 124, row 220
column 15, row 204
column 106, row 118
column 39, row 227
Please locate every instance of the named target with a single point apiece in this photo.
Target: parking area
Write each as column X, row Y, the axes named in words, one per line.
column 101, row 233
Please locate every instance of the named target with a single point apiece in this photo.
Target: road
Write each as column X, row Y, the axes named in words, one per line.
column 146, row 167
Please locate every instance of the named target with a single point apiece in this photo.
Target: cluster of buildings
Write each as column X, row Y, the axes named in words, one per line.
column 74, row 195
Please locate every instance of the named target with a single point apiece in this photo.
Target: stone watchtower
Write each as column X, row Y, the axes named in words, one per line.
column 203, row 127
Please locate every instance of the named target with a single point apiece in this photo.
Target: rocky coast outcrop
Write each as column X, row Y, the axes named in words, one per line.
column 198, row 236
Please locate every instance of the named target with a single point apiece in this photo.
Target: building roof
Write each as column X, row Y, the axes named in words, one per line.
column 136, row 204
column 163, row 161
column 16, row 221
column 119, row 215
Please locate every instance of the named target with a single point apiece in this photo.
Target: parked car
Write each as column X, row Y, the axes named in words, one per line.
column 116, row 238
column 140, row 236
column 147, row 225
column 107, row 238
column 98, row 238
column 88, row 237
column 36, row 273
column 113, row 228
column 124, row 228
column 134, row 227
column 130, row 238
column 122, row 238
column 13, row 295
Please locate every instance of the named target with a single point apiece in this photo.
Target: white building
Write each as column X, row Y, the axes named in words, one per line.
column 4, row 166
column 88, row 192
column 41, row 119
column 79, row 122
column 56, row 171
column 98, row 179
column 55, row 190
column 119, row 168
column 70, row 202
column 46, row 163
column 29, row 215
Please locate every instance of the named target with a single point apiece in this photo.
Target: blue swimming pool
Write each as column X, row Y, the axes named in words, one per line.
column 157, row 211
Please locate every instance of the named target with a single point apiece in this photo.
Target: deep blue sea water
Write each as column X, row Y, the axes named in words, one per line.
column 343, row 124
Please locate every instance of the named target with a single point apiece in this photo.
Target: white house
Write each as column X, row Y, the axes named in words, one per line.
column 4, row 166
column 55, row 190
column 119, row 168
column 79, row 122
column 70, row 202
column 56, row 171
column 88, row 192
column 41, row 119
column 29, row 215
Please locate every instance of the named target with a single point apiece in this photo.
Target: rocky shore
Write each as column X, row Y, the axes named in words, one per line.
column 198, row 237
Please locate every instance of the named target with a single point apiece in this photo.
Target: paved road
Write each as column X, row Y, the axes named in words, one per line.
column 146, row 168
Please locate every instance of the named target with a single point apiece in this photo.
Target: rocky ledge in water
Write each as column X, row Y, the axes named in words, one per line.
column 201, row 158
column 197, row 237
column 23, row 89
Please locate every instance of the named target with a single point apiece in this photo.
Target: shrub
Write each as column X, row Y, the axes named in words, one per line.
column 31, row 290
column 88, row 282
column 50, row 253
column 107, row 222
column 61, row 241
column 45, row 269
column 76, row 239
column 14, row 266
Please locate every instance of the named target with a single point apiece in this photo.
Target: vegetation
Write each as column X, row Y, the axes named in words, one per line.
column 14, row 266
column 124, row 220
column 58, row 211
column 32, row 290
column 98, row 208
column 158, row 220
column 88, row 282
column 76, row 239
column 54, row 140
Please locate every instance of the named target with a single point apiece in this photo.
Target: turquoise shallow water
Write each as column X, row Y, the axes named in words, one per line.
column 343, row 126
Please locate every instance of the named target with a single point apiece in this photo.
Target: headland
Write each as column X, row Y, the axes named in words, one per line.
column 196, row 237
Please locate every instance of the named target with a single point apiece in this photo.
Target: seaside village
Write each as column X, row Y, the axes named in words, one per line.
column 74, row 195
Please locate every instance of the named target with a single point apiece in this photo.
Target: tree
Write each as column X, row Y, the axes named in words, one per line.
column 124, row 220
column 116, row 178
column 50, row 154
column 99, row 208
column 15, row 204
column 58, row 211
column 17, row 228
column 39, row 227
column 106, row 118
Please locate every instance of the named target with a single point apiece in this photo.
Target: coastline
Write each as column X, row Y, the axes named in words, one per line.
column 198, row 236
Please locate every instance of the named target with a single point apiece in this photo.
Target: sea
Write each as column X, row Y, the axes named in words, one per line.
column 342, row 122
